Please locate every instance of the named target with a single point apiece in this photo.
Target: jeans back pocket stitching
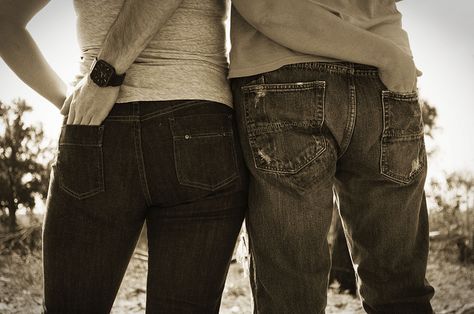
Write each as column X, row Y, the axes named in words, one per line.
column 196, row 184
column 100, row 166
column 390, row 137
column 285, row 87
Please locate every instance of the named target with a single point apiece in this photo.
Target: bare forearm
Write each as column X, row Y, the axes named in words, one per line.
column 306, row 27
column 135, row 26
column 21, row 54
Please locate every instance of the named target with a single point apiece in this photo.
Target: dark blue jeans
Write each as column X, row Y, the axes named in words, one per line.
column 306, row 129
column 176, row 165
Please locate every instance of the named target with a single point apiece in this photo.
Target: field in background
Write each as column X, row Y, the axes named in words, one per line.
column 20, row 282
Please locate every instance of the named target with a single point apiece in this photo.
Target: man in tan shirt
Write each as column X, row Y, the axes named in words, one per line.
column 325, row 97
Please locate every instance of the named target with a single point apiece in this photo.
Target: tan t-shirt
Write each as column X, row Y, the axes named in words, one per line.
column 185, row 60
column 253, row 53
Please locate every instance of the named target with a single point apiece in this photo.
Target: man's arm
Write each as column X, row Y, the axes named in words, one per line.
column 136, row 24
column 306, row 27
column 21, row 54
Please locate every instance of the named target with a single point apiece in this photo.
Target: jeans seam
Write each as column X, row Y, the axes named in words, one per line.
column 136, row 117
column 349, row 129
column 140, row 162
column 81, row 196
column 168, row 111
column 208, row 187
column 123, row 119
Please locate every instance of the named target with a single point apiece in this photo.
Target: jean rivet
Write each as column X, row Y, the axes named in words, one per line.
column 187, row 137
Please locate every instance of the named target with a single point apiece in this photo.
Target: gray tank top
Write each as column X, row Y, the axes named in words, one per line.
column 185, row 60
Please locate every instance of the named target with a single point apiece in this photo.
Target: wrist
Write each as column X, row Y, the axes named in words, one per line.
column 120, row 68
column 114, row 57
column 104, row 74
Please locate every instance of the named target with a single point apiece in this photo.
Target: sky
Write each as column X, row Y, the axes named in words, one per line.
column 442, row 39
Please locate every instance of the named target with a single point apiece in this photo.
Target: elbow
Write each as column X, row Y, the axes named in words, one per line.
column 11, row 33
column 9, row 29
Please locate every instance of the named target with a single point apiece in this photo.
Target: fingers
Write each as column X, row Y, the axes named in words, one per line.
column 66, row 105
column 86, row 120
column 82, row 118
column 95, row 121
column 79, row 118
column 415, row 82
column 90, row 105
column 70, row 117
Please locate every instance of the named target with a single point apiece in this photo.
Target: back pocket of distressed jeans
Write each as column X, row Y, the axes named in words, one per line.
column 403, row 154
column 204, row 150
column 284, row 124
column 80, row 163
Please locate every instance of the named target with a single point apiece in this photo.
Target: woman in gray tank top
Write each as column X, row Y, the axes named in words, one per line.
column 148, row 136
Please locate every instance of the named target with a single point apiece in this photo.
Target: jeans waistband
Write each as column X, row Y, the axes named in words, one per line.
column 145, row 109
column 335, row 67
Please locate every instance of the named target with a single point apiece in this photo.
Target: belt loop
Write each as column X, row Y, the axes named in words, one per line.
column 136, row 108
column 351, row 69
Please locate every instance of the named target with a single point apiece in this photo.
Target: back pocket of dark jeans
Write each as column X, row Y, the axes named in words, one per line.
column 80, row 163
column 403, row 154
column 284, row 122
column 204, row 150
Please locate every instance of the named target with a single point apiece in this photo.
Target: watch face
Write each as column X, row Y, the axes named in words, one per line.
column 101, row 73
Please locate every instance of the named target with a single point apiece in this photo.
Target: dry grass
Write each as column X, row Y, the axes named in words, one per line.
column 21, row 281
column 20, row 286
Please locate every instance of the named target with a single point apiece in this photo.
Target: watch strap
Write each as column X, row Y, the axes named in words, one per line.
column 116, row 79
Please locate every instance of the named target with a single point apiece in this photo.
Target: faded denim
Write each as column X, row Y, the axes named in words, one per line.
column 174, row 164
column 305, row 128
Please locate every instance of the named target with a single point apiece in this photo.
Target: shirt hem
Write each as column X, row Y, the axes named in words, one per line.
column 274, row 65
column 224, row 101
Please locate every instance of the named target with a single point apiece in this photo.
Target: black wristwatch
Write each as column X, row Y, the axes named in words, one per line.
column 103, row 74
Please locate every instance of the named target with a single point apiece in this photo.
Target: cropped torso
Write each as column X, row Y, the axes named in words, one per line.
column 186, row 59
column 253, row 53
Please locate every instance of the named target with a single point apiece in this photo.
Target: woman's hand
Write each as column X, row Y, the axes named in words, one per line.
column 89, row 104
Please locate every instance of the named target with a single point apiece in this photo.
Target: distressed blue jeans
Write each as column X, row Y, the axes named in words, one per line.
column 308, row 128
column 174, row 164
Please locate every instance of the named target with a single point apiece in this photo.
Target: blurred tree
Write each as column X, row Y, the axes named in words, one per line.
column 430, row 116
column 24, row 161
column 452, row 214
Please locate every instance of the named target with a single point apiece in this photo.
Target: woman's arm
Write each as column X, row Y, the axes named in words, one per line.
column 137, row 23
column 22, row 55
column 306, row 27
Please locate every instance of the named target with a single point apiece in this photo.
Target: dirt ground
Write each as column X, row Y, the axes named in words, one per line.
column 20, row 286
